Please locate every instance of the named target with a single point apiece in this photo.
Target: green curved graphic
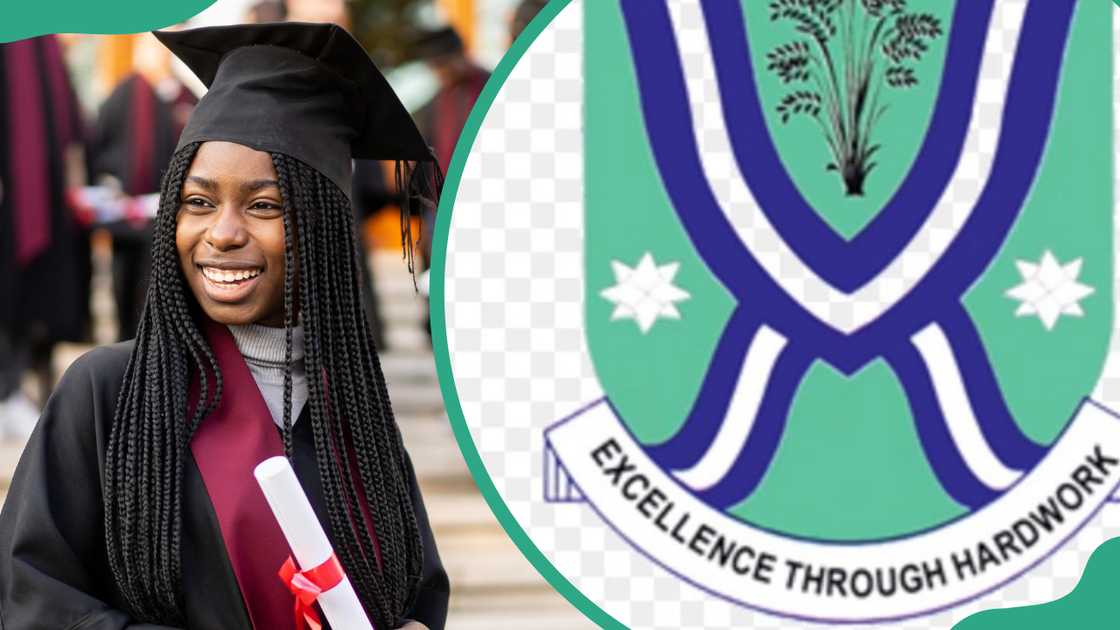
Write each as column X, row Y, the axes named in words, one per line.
column 29, row 19
column 1091, row 604
column 462, row 432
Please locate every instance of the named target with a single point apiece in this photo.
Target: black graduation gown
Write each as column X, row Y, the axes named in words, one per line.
column 53, row 566
column 46, row 300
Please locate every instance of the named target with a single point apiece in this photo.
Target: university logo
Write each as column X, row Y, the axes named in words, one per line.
column 849, row 295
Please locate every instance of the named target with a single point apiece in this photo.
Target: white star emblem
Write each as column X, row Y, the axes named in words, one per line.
column 1049, row 289
column 645, row 292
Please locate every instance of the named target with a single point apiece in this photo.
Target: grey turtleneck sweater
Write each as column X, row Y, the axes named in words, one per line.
column 263, row 349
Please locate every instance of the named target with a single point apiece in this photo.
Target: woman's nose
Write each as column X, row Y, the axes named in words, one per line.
column 228, row 231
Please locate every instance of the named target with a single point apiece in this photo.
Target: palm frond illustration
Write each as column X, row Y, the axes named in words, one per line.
column 849, row 51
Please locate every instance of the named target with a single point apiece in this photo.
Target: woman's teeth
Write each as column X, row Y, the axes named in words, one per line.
column 225, row 275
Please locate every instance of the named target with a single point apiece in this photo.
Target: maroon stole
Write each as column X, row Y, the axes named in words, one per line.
column 29, row 187
column 228, row 444
column 30, row 106
column 64, row 102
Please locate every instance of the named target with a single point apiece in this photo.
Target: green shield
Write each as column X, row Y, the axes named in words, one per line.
column 849, row 465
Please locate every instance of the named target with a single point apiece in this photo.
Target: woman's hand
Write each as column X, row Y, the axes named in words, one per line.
column 413, row 625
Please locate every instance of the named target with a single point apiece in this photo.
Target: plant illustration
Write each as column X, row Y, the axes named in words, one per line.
column 851, row 49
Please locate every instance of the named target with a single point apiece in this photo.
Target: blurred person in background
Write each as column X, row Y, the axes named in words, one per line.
column 265, row 11
column 135, row 134
column 524, row 13
column 44, row 252
column 461, row 80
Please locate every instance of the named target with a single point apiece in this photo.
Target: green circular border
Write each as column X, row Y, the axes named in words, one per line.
column 439, row 321
column 985, row 620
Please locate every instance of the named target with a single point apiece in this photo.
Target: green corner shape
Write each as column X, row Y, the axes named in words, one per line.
column 1092, row 603
column 29, row 18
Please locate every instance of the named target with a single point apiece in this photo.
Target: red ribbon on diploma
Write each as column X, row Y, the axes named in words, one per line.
column 307, row 585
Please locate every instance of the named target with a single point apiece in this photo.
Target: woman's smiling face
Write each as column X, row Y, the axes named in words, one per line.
column 230, row 235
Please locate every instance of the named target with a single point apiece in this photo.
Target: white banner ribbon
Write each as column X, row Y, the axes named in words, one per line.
column 592, row 457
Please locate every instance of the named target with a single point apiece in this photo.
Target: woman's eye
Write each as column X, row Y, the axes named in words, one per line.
column 196, row 203
column 265, row 209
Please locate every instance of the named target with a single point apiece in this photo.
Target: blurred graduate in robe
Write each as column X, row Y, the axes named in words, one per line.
column 44, row 252
column 134, row 504
column 137, row 128
column 461, row 80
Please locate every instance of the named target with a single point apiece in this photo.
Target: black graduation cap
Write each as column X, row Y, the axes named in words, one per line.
column 305, row 90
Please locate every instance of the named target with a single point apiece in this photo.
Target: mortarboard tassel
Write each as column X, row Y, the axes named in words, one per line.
column 419, row 185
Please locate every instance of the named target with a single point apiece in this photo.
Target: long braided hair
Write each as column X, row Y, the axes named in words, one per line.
column 348, row 407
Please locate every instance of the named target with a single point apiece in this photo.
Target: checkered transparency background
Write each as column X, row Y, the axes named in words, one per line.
column 514, row 310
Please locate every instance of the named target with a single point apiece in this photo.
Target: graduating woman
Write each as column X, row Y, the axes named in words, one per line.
column 134, row 504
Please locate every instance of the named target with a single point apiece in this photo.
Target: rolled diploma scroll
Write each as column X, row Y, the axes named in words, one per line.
column 308, row 540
